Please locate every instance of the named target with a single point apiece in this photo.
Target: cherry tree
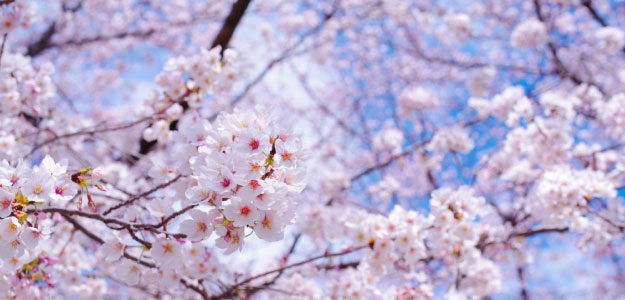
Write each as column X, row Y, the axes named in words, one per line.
column 331, row 149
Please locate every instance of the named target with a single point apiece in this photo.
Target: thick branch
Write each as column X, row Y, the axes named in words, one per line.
column 232, row 21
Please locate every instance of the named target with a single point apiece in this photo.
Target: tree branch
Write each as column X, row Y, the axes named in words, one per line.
column 231, row 291
column 146, row 193
column 230, row 24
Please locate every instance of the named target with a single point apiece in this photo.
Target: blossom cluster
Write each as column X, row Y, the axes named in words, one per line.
column 611, row 39
column 451, row 142
column 407, row 240
column 416, row 98
column 176, row 259
column 16, row 13
column 186, row 82
column 562, row 198
column 24, row 189
column 245, row 172
column 529, row 34
column 453, row 139
column 508, row 106
column 24, row 90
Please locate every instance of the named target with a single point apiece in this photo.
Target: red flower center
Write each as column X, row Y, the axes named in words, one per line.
column 245, row 211
column 225, row 182
column 254, row 144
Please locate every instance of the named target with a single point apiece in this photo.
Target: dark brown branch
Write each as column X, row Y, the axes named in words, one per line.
column 36, row 120
column 186, row 282
column 81, row 228
column 538, row 231
column 595, row 15
column 521, row 273
column 174, row 215
column 109, row 221
column 4, row 39
column 231, row 292
column 121, row 35
column 146, row 193
column 561, row 69
column 230, row 24
column 45, row 40
column 341, row 266
column 407, row 151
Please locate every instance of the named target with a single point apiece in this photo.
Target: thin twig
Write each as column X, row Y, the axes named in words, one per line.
column 4, row 39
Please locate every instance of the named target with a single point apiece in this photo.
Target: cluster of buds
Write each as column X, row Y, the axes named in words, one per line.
column 81, row 179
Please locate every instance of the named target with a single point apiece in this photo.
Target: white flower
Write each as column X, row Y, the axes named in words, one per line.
column 10, row 228
column 460, row 25
column 451, row 139
column 241, row 212
column 218, row 178
column 417, row 98
column 38, row 187
column 269, row 227
column 529, row 34
column 161, row 207
column 160, row 171
column 64, row 190
column 31, row 237
column 97, row 174
column 112, row 249
column 390, row 139
column 175, row 111
column 288, row 153
column 199, row 227
column 199, row 194
column 11, row 248
column 55, row 169
column 231, row 239
column 166, row 252
column 611, row 39
column 128, row 272
column 6, row 203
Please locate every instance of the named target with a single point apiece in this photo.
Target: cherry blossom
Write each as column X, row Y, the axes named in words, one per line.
column 331, row 149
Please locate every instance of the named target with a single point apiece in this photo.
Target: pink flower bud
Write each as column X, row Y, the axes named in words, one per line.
column 96, row 174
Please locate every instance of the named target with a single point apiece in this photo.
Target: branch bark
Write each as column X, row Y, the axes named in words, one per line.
column 595, row 15
column 230, row 24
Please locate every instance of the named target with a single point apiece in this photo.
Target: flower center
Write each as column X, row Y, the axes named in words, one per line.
column 286, row 155
column 267, row 223
column 225, row 182
column 201, row 227
column 37, row 189
column 245, row 211
column 254, row 143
